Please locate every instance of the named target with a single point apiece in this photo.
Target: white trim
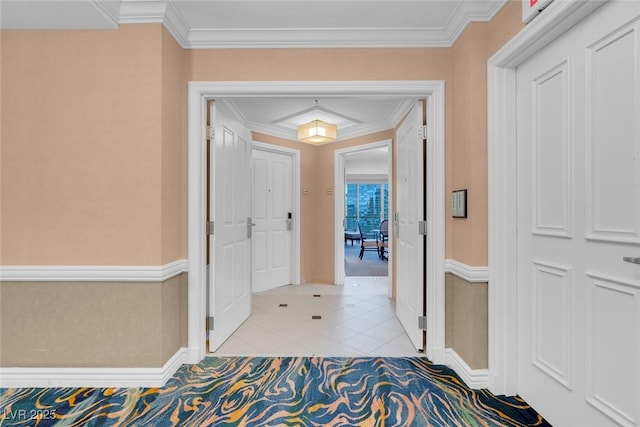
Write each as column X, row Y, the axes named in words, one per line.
column 92, row 377
column 199, row 92
column 264, row 38
column 108, row 9
column 339, row 184
column 295, row 154
column 165, row 12
column 473, row 378
column 501, row 152
column 435, row 217
column 466, row 272
column 92, row 273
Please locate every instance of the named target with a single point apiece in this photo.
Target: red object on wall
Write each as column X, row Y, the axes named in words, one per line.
column 532, row 3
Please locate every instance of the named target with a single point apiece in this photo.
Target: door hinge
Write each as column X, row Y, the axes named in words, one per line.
column 209, row 228
column 210, row 323
column 211, row 133
column 422, row 132
column 422, row 323
column 422, row 228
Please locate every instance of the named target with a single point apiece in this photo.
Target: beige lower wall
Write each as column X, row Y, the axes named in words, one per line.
column 92, row 324
column 466, row 320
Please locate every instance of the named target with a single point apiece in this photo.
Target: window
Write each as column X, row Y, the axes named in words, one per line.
column 366, row 202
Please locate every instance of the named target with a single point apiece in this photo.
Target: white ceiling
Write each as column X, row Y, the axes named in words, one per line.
column 354, row 116
column 277, row 24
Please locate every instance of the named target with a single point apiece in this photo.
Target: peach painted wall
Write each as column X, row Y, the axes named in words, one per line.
column 94, row 147
column 101, row 179
column 174, row 155
column 467, row 239
column 320, row 64
column 317, row 207
column 81, row 152
column 1, row 97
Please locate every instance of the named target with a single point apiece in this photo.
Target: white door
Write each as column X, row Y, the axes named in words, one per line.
column 578, row 215
column 272, row 208
column 410, row 210
column 229, row 208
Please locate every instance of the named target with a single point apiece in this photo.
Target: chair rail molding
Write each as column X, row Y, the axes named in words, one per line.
column 92, row 273
column 466, row 272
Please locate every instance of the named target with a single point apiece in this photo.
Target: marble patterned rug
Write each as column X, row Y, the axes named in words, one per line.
column 278, row 391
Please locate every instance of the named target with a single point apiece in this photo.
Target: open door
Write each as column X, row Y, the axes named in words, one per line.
column 410, row 285
column 229, row 209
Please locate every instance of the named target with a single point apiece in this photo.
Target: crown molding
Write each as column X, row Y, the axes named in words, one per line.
column 109, row 9
column 89, row 273
column 401, row 111
column 208, row 38
column 164, row 12
column 471, row 12
column 147, row 12
column 177, row 26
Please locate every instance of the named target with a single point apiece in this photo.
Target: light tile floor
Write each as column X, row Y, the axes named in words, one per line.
column 357, row 319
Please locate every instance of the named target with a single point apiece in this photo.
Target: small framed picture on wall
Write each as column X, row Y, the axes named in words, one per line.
column 459, row 204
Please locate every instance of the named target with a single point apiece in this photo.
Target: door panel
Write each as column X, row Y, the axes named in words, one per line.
column 272, row 201
column 578, row 207
column 410, row 245
column 230, row 259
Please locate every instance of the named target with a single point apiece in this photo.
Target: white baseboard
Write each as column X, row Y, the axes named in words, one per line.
column 91, row 273
column 438, row 356
column 474, row 378
column 466, row 272
column 92, row 377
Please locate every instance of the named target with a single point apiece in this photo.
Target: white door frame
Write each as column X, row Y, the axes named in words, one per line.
column 549, row 25
column 199, row 92
column 339, row 204
column 295, row 176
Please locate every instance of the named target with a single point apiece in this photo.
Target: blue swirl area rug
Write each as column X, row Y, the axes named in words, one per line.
column 278, row 391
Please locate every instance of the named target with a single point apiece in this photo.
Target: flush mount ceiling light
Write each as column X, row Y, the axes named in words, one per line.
column 317, row 132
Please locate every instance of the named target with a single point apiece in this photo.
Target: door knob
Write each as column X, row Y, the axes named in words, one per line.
column 632, row 260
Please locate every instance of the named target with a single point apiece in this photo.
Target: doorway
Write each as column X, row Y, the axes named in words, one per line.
column 591, row 293
column 200, row 92
column 365, row 178
column 578, row 336
column 275, row 212
column 367, row 218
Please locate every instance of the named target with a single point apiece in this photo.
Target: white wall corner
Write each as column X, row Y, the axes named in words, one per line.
column 466, row 272
column 92, row 377
column 473, row 378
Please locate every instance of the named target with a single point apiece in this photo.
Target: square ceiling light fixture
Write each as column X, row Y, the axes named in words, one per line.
column 317, row 132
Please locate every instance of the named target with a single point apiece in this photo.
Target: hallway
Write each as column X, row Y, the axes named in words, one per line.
column 357, row 319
